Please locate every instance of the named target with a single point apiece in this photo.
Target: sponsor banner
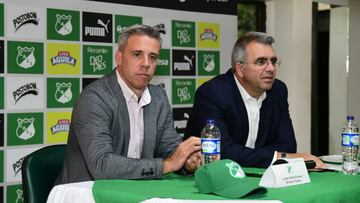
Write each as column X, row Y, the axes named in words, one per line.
column 87, row 81
column 208, row 62
column 1, row 92
column 62, row 92
column 25, row 57
column 184, row 62
column 57, row 127
column 97, row 27
column 1, row 20
column 25, row 128
column 164, row 27
column 25, row 92
column 200, row 81
column 2, row 132
column 208, row 35
column 25, row 22
column 181, row 116
column 63, row 58
column 163, row 64
column 123, row 21
column 206, row 6
column 97, row 60
column 164, row 82
column 2, row 56
column 63, row 24
column 15, row 193
column 183, row 33
column 14, row 159
column 183, row 91
column 1, row 166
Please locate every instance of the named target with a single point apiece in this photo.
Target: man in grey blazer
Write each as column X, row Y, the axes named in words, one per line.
column 121, row 126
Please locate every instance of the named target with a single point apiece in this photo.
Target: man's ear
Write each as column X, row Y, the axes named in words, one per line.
column 118, row 57
column 239, row 68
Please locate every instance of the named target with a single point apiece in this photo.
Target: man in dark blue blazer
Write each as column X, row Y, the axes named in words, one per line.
column 249, row 107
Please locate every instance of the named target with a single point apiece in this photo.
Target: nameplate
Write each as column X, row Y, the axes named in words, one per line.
column 282, row 175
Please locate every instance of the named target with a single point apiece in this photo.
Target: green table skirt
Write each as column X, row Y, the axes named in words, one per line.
column 324, row 187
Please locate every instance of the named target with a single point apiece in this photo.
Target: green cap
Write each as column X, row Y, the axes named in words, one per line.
column 226, row 178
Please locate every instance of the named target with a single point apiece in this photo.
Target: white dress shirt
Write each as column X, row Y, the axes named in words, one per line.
column 136, row 117
column 253, row 106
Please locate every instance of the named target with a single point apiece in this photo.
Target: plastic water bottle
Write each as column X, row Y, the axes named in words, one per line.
column 210, row 142
column 350, row 146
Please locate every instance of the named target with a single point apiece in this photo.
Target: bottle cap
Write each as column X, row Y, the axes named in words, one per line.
column 210, row 121
column 350, row 118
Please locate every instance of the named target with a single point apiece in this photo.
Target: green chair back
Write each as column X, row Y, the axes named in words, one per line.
column 39, row 171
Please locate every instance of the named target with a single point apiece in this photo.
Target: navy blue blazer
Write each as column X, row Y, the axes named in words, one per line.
column 220, row 99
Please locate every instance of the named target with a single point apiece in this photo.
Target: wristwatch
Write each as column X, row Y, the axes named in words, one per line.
column 283, row 155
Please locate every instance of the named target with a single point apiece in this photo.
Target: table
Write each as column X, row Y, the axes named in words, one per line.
column 324, row 187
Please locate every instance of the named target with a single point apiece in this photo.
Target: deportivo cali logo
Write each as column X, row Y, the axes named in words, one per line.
column 63, row 92
column 25, row 129
column 235, row 170
column 63, row 24
column 25, row 57
column 209, row 62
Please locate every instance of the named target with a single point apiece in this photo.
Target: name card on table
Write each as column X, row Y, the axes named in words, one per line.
column 282, row 175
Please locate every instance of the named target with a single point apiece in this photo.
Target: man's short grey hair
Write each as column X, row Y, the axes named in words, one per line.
column 239, row 50
column 141, row 30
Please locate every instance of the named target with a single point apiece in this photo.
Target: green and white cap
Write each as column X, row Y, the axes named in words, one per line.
column 226, row 178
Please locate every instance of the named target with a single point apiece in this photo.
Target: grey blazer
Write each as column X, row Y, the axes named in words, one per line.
column 100, row 131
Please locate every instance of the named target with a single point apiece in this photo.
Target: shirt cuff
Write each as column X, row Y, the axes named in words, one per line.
column 274, row 158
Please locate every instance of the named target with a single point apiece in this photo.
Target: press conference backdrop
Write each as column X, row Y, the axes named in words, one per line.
column 50, row 50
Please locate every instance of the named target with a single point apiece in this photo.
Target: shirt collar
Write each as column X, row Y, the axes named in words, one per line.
column 129, row 94
column 245, row 96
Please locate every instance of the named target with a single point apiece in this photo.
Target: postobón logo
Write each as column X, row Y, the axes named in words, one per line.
column 97, row 27
column 183, row 33
column 25, row 129
column 63, row 57
column 62, row 125
column 63, row 92
column 25, row 57
column 25, row 22
column 24, row 90
column 63, row 24
column 184, row 62
column 26, row 18
column 17, row 166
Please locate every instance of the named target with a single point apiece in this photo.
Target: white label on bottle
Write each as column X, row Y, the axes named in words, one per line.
column 210, row 146
column 350, row 139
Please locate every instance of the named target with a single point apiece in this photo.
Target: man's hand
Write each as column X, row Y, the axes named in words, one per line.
column 182, row 153
column 193, row 162
column 319, row 163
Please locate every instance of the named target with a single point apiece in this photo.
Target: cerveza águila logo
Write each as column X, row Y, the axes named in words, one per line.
column 26, row 18
column 62, row 125
column 24, row 90
column 208, row 34
column 63, row 57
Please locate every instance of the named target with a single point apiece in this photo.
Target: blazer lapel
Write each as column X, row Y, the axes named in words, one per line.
column 265, row 119
column 149, row 129
column 122, row 108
